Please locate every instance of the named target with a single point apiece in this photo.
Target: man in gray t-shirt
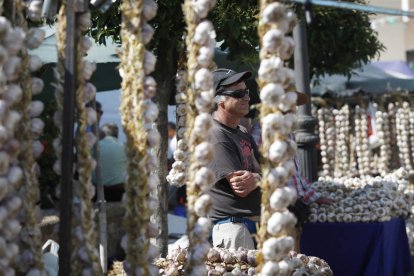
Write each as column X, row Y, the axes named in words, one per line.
column 236, row 196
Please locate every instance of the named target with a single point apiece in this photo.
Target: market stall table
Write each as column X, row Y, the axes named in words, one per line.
column 379, row 248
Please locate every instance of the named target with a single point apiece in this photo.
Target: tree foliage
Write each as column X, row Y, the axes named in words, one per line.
column 338, row 40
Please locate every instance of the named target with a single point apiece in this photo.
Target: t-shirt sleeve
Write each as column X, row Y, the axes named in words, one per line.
column 225, row 160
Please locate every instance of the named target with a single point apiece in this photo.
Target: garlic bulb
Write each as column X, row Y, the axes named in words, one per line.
column 35, row 63
column 272, row 40
column 34, row 10
column 269, row 69
column 13, row 94
column 271, row 94
column 149, row 11
column 273, row 12
column 34, row 37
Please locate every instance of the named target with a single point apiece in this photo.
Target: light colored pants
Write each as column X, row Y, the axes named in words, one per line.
column 232, row 236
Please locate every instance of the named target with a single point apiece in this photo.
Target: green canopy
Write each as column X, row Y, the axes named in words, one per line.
column 373, row 79
column 106, row 76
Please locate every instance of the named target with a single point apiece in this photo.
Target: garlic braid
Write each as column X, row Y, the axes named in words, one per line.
column 278, row 121
column 84, row 237
column 411, row 129
column 138, row 114
column 392, row 117
column 400, row 123
column 200, row 43
column 382, row 123
column 59, row 73
column 29, row 258
column 327, row 136
column 11, row 173
column 361, row 141
column 177, row 176
column 341, row 141
column 405, row 132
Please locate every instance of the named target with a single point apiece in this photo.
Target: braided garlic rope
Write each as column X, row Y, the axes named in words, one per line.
column 29, row 258
column 138, row 114
column 326, row 134
column 405, row 133
column 395, row 157
column 84, row 237
column 200, row 42
column 382, row 123
column 278, row 121
column 343, row 140
column 399, row 127
column 11, row 174
column 177, row 175
column 59, row 73
column 361, row 136
column 410, row 114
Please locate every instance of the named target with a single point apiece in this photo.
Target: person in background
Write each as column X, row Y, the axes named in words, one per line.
column 235, row 194
column 172, row 143
column 113, row 163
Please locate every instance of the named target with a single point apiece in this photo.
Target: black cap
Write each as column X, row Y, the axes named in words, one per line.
column 225, row 77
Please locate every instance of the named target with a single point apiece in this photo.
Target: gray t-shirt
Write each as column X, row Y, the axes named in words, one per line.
column 233, row 149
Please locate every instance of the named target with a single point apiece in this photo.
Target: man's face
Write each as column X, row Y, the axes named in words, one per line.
column 171, row 132
column 237, row 106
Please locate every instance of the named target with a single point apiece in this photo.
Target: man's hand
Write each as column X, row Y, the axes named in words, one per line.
column 325, row 200
column 243, row 182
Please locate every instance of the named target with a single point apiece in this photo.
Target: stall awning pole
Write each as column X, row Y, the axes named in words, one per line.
column 355, row 6
column 305, row 135
column 65, row 225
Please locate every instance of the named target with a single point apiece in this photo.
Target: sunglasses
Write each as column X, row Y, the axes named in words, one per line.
column 238, row 94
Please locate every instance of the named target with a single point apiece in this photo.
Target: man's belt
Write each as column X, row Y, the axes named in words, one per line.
column 250, row 224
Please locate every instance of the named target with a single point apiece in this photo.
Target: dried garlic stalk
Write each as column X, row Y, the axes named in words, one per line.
column 138, row 114
column 278, row 120
column 200, row 43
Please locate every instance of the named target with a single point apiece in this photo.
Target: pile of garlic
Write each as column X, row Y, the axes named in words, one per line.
column 222, row 261
column 200, row 43
column 138, row 114
column 278, row 120
column 367, row 199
